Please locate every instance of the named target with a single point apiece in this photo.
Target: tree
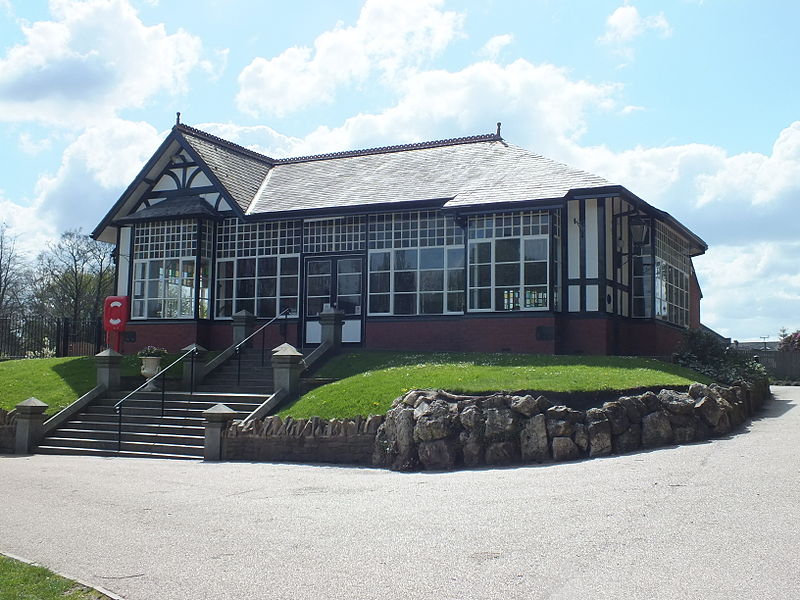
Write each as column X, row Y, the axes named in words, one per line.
column 13, row 273
column 72, row 277
column 789, row 342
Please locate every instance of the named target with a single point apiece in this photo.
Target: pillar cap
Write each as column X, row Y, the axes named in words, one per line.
column 243, row 314
column 108, row 352
column 31, row 406
column 219, row 412
column 286, row 349
column 197, row 347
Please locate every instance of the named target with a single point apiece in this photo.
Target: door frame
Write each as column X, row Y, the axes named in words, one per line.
column 334, row 257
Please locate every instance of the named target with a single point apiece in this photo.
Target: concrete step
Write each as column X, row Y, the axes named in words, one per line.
column 127, row 445
column 74, row 433
column 86, row 424
column 49, row 449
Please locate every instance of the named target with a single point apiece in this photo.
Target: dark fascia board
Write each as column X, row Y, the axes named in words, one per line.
column 209, row 173
column 699, row 246
column 131, row 189
column 499, row 207
column 359, row 209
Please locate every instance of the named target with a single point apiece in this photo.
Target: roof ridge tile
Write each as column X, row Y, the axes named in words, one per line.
column 488, row 137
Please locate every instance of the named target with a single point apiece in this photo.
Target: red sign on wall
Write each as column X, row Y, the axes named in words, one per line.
column 115, row 313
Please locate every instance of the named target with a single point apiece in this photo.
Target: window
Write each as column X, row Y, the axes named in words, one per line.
column 509, row 262
column 165, row 281
column 416, row 264
column 257, row 267
column 334, row 235
column 672, row 269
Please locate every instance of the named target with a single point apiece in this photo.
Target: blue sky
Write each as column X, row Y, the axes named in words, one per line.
column 693, row 105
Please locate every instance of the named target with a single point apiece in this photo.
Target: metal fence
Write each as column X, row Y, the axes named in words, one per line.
column 42, row 337
column 780, row 365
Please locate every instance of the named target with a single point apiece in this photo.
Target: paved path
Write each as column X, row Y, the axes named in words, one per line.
column 707, row 521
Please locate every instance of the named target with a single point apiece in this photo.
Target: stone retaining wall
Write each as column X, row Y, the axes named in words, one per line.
column 8, row 430
column 340, row 441
column 437, row 430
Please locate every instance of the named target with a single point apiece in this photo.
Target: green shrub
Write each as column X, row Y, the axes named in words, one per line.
column 703, row 352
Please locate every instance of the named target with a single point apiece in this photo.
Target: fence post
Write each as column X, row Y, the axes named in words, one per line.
column 242, row 324
column 30, row 416
column 286, row 369
column 216, row 420
column 108, row 372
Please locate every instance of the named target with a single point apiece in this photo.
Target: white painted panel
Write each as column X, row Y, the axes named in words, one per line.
column 124, row 261
column 573, row 240
column 611, row 243
column 200, row 180
column 591, row 239
column 591, row 298
column 574, row 298
column 313, row 332
column 351, row 330
column 165, row 183
column 223, row 205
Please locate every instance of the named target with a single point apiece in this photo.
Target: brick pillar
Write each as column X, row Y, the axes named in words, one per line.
column 30, row 416
column 332, row 320
column 286, row 369
column 216, row 420
column 242, row 325
column 108, row 363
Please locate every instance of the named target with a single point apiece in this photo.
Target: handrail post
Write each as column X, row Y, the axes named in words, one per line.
column 238, row 366
column 163, row 390
column 191, row 381
column 119, row 429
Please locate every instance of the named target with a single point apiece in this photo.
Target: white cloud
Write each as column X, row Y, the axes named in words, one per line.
column 92, row 60
column 625, row 24
column 751, row 290
column 391, row 38
column 31, row 146
column 492, row 48
column 536, row 103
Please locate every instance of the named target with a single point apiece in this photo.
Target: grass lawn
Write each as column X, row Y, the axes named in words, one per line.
column 370, row 380
column 60, row 381
column 20, row 581
column 55, row 381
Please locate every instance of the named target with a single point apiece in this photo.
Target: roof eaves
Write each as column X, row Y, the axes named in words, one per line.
column 141, row 177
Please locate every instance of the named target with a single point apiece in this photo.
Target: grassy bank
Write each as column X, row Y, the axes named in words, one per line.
column 19, row 580
column 368, row 381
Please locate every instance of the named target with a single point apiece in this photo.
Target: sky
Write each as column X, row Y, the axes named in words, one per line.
column 693, row 105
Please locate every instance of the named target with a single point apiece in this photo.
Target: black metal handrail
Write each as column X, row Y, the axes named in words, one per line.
column 162, row 373
column 238, row 348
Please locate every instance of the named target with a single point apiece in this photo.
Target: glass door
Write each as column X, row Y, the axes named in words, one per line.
column 337, row 281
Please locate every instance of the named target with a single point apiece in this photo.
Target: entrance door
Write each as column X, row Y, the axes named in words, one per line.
column 334, row 280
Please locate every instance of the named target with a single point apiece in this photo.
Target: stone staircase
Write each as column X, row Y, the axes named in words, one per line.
column 251, row 377
column 179, row 432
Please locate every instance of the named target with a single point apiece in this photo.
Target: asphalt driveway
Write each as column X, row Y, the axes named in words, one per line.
column 711, row 520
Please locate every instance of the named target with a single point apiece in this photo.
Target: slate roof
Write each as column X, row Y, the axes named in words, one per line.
column 239, row 170
column 481, row 170
column 174, row 208
column 467, row 171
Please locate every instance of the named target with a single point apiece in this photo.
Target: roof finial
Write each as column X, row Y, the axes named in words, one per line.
column 178, row 119
column 498, row 128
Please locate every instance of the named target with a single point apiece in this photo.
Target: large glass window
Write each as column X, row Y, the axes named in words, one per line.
column 258, row 267
column 416, row 264
column 165, row 278
column 509, row 261
column 671, row 276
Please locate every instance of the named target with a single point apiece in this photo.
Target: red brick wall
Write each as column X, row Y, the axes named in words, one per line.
column 470, row 334
column 213, row 336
